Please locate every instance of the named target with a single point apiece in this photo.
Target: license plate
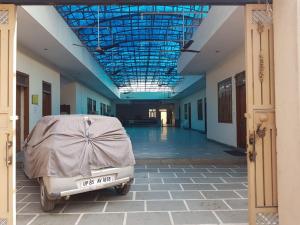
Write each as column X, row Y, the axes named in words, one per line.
column 94, row 181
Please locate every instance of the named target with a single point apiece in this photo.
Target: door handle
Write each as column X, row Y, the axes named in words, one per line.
column 8, row 147
column 252, row 153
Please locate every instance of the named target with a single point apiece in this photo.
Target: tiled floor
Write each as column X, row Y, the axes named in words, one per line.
column 160, row 195
column 170, row 142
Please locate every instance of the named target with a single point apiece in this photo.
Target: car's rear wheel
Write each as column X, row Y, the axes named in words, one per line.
column 46, row 203
column 123, row 189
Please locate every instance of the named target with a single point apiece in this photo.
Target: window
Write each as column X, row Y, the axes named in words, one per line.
column 225, row 101
column 91, row 106
column 185, row 111
column 152, row 113
column 200, row 109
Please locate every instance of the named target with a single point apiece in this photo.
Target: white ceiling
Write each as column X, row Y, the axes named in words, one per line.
column 35, row 38
column 228, row 37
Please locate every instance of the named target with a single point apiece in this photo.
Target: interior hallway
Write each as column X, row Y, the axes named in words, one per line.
column 176, row 143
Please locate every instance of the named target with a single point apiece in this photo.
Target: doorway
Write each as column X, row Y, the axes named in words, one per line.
column 163, row 117
column 47, row 99
column 241, row 110
column 22, row 109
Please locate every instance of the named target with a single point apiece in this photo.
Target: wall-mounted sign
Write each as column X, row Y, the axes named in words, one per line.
column 35, row 99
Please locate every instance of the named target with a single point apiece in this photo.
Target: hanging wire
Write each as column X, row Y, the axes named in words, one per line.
column 98, row 25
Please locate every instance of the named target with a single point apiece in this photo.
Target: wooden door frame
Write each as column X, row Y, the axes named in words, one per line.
column 8, row 50
column 261, row 126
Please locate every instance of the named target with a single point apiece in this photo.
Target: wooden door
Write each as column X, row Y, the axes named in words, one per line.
column 241, row 110
column 190, row 115
column 7, row 112
column 261, row 127
column 47, row 96
column 22, row 109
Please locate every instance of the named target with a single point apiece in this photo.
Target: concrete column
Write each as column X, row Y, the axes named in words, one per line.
column 287, row 88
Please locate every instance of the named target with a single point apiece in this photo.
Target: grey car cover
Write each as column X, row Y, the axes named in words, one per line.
column 72, row 145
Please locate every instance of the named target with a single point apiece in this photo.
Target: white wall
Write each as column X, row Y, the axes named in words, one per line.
column 232, row 65
column 196, row 124
column 82, row 93
column 38, row 72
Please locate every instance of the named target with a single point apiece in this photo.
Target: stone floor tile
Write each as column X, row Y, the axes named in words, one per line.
column 208, row 180
column 235, row 179
column 206, row 205
column 195, row 170
column 158, row 166
column 238, row 174
column 237, row 203
column 216, row 174
column 186, row 195
column 243, row 193
column 32, row 198
column 139, row 187
column 181, row 166
column 153, row 170
column 152, row 195
column 29, row 190
column 161, row 175
column 219, row 194
column 197, row 187
column 165, row 187
column 231, row 186
column 167, row 205
column 20, row 205
column 164, row 170
column 220, row 170
column 55, row 219
column 240, row 170
column 36, row 208
column 141, row 175
column 203, row 166
column 20, row 196
column 148, row 180
column 226, row 166
column 190, row 174
column 105, row 218
column 181, row 180
column 27, row 183
column 204, row 217
column 24, row 219
column 233, row 216
column 80, row 207
column 110, row 195
column 148, row 218
column 125, row 206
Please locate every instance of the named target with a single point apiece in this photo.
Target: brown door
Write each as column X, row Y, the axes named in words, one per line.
column 47, row 102
column 241, row 110
column 22, row 109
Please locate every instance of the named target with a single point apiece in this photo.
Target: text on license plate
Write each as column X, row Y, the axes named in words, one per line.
column 97, row 180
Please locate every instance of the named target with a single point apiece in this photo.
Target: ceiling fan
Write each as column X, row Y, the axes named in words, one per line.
column 187, row 45
column 99, row 49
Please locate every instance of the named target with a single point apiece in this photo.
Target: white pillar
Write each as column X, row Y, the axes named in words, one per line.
column 287, row 82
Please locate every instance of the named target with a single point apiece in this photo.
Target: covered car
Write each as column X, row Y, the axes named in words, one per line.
column 71, row 154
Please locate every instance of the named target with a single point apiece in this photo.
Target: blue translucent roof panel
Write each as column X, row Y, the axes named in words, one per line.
column 138, row 46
